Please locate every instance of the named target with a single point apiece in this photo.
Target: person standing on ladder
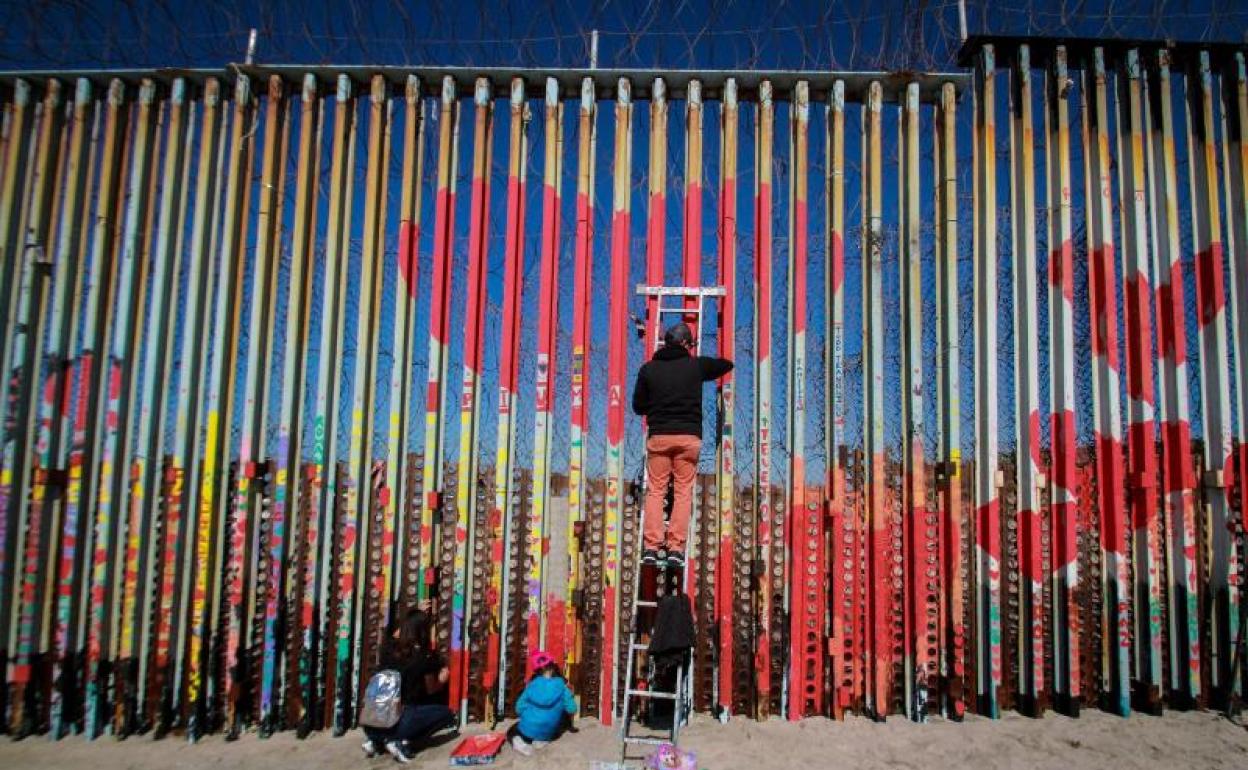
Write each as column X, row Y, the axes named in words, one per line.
column 668, row 394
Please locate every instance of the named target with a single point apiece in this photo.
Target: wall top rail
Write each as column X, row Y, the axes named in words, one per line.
column 677, row 81
column 1078, row 48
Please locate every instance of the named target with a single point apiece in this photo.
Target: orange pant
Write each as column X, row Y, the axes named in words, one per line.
column 669, row 457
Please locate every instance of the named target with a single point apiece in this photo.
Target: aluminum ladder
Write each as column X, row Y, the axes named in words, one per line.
column 682, row 695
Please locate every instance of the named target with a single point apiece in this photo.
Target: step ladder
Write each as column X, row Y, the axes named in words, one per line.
column 681, row 695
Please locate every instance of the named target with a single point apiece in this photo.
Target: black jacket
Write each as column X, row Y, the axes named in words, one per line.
column 413, row 666
column 669, row 390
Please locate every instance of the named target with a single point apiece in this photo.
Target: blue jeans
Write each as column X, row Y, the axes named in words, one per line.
column 416, row 722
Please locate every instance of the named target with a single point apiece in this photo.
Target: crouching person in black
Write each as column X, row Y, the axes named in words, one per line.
column 409, row 649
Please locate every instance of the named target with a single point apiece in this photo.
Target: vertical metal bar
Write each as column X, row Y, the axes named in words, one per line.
column 763, row 149
column 287, row 452
column 108, row 412
column 726, row 460
column 219, row 407
column 656, row 215
column 692, row 236
column 329, row 393
column 406, row 292
column 12, row 193
column 478, row 238
column 1177, row 474
column 1062, row 421
column 547, row 319
column 918, row 665
column 24, row 381
column 987, row 505
column 290, row 450
column 583, row 256
column 879, row 655
column 55, row 431
column 356, row 525
column 144, row 473
column 1030, row 667
column 949, row 359
column 1107, row 413
column 843, row 567
column 439, row 322
column 189, row 451
column 1223, row 613
column 805, row 621
column 1235, row 163
column 505, row 509
column 1137, row 293
column 617, row 361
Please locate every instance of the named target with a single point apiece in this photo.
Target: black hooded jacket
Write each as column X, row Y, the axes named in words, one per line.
column 669, row 390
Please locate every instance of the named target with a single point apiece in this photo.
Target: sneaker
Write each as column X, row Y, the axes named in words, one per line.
column 675, row 559
column 398, row 751
column 521, row 746
column 540, row 744
column 370, row 748
column 650, row 557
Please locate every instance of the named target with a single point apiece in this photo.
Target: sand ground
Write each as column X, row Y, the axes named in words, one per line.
column 1095, row 740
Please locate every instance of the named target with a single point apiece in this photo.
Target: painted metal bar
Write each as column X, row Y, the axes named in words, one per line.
column 880, row 607
column 355, row 525
column 845, row 668
column 12, row 196
column 1107, row 413
column 56, row 431
column 326, row 450
column 919, row 666
column 474, row 322
column 190, row 451
column 300, row 598
column 763, row 153
column 1235, row 174
column 727, row 448
column 24, row 380
column 439, row 323
column 1177, row 474
column 287, row 452
column 539, row 607
column 218, row 407
column 805, row 689
column 1063, row 430
column 505, row 509
column 145, row 476
column 1031, row 631
column 1222, row 612
column 406, row 292
column 987, row 483
column 952, row 665
column 582, row 272
column 617, row 362
column 1141, row 470
column 126, row 299
column 656, row 209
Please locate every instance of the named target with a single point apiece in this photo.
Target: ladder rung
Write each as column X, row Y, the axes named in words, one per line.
column 681, row 310
column 646, row 603
column 681, row 291
column 646, row 741
column 639, row 646
column 650, row 694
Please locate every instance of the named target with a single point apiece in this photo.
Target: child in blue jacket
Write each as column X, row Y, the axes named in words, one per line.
column 544, row 707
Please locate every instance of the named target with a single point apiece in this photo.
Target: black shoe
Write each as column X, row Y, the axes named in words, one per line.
column 675, row 559
column 650, row 556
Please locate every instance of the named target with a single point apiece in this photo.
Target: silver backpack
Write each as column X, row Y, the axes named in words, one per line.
column 383, row 701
